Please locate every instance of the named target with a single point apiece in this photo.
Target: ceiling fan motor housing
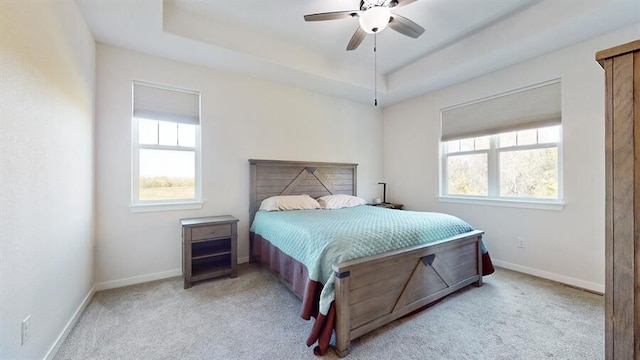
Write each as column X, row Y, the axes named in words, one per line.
column 375, row 19
column 368, row 4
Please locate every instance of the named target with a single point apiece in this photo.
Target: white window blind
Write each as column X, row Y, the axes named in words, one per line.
column 165, row 104
column 528, row 108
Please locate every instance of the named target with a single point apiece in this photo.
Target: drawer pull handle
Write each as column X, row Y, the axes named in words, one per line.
column 212, row 232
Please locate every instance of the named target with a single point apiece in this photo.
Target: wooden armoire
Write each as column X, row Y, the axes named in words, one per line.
column 622, row 219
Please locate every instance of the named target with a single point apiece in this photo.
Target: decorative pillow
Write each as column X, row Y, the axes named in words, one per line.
column 340, row 201
column 289, row 202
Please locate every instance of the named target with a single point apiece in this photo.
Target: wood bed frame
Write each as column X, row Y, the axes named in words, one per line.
column 412, row 277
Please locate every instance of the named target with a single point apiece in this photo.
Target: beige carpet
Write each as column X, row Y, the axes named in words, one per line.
column 513, row 316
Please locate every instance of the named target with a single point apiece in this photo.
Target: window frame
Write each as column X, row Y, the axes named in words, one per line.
column 138, row 205
column 493, row 176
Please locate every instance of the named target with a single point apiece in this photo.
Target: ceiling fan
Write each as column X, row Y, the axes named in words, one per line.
column 374, row 16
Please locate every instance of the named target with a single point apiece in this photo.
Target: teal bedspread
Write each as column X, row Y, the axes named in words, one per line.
column 321, row 238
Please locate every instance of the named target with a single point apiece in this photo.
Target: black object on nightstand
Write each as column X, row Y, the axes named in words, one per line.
column 384, row 192
column 384, row 203
column 389, row 206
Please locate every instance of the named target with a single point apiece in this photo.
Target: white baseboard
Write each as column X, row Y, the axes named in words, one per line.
column 598, row 288
column 70, row 325
column 137, row 279
column 146, row 278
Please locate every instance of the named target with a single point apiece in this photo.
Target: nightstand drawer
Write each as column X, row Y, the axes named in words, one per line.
column 210, row 232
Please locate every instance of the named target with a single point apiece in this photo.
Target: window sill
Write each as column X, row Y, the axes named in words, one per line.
column 523, row 204
column 191, row 205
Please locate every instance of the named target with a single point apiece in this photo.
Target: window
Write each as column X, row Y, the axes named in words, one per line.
column 515, row 155
column 516, row 165
column 166, row 146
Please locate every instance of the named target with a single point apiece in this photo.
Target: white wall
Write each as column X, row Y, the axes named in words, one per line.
column 47, row 79
column 242, row 118
column 567, row 245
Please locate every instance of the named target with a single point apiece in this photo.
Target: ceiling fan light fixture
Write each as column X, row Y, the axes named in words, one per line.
column 375, row 19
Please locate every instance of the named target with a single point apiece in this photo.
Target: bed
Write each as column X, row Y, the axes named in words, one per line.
column 356, row 290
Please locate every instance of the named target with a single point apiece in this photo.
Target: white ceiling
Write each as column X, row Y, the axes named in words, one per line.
column 269, row 39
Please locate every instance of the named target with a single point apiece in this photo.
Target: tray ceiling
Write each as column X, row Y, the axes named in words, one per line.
column 270, row 40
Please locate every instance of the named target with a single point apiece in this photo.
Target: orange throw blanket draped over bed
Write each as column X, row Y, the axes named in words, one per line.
column 296, row 277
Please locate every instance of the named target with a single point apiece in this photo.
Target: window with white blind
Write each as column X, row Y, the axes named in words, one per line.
column 507, row 147
column 166, row 147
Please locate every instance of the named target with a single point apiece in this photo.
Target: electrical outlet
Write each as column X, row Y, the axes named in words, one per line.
column 26, row 329
column 521, row 242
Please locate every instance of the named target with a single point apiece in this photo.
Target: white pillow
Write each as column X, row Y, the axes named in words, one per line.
column 289, row 202
column 340, row 201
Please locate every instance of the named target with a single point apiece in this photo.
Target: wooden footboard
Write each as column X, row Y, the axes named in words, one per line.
column 377, row 290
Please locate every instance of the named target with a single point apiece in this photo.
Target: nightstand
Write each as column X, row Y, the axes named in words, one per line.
column 389, row 206
column 209, row 248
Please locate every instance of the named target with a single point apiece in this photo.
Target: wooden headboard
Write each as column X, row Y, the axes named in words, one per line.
column 277, row 177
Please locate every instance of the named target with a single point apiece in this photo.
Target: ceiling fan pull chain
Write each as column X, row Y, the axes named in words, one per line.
column 375, row 69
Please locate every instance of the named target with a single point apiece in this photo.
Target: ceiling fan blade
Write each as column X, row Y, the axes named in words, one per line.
column 336, row 15
column 356, row 39
column 405, row 26
column 400, row 3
